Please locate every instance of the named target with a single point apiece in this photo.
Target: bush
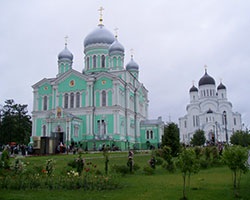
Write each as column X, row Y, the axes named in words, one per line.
column 170, row 166
column 5, row 159
column 198, row 152
column 136, row 167
column 159, row 161
column 148, row 170
column 122, row 169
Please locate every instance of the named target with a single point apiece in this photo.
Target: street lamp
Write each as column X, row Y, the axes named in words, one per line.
column 225, row 121
column 216, row 131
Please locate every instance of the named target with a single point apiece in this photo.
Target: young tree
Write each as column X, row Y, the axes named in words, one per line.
column 235, row 158
column 188, row 164
column 171, row 138
column 106, row 157
column 15, row 123
column 198, row 138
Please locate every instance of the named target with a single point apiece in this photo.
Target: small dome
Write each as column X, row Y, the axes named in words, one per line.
column 99, row 35
column 221, row 87
column 116, row 46
column 132, row 65
column 193, row 89
column 65, row 54
column 206, row 80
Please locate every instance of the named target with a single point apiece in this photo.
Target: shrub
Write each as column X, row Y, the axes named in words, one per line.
column 5, row 159
column 148, row 170
column 18, row 166
column 77, row 163
column 122, row 169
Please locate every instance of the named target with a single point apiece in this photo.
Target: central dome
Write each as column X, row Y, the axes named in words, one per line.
column 99, row 35
column 206, row 80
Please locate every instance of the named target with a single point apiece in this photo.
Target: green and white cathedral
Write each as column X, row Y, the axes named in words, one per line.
column 104, row 104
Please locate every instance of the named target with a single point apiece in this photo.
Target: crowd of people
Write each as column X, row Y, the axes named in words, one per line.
column 18, row 149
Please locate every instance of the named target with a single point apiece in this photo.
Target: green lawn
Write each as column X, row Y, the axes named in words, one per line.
column 209, row 184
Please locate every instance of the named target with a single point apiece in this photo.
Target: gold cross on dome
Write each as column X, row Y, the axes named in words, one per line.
column 132, row 52
column 66, row 40
column 101, row 14
column 116, row 31
column 205, row 68
column 193, row 82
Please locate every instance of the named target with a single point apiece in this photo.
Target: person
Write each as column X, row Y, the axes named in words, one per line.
column 152, row 162
column 130, row 163
column 130, row 154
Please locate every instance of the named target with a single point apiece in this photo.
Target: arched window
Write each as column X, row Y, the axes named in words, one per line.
column 78, row 99
column 45, row 103
column 66, row 100
column 72, row 100
column 147, row 137
column 104, row 98
column 94, row 61
column 103, row 61
column 87, row 62
column 151, row 134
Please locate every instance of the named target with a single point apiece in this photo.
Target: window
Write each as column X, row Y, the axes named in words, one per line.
column 197, row 120
column 72, row 100
column 235, row 121
column 104, row 98
column 87, row 62
column 78, row 99
column 185, row 124
column 94, row 61
column 76, row 131
column 66, row 100
column 101, row 124
column 44, row 130
column 149, row 134
column 103, row 61
column 45, row 103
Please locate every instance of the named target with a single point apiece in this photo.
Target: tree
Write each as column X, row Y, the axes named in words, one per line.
column 198, row 138
column 188, row 164
column 15, row 124
column 235, row 157
column 241, row 138
column 171, row 138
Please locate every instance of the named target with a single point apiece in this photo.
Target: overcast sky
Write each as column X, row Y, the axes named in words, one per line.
column 172, row 41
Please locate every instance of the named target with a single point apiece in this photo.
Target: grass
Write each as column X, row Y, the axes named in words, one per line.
column 212, row 184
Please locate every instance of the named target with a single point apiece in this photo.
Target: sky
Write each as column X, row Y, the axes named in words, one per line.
column 172, row 41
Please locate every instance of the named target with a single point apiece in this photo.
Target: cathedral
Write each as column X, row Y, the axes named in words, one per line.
column 105, row 103
column 209, row 110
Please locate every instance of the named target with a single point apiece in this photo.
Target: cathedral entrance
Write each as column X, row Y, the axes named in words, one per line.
column 211, row 137
column 60, row 137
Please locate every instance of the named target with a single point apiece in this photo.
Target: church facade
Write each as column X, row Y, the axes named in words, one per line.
column 104, row 104
column 209, row 110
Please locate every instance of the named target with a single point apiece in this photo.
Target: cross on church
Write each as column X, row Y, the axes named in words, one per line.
column 66, row 40
column 100, row 10
column 205, row 68
column 116, row 31
column 132, row 52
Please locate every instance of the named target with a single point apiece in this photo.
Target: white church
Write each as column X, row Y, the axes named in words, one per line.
column 209, row 110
